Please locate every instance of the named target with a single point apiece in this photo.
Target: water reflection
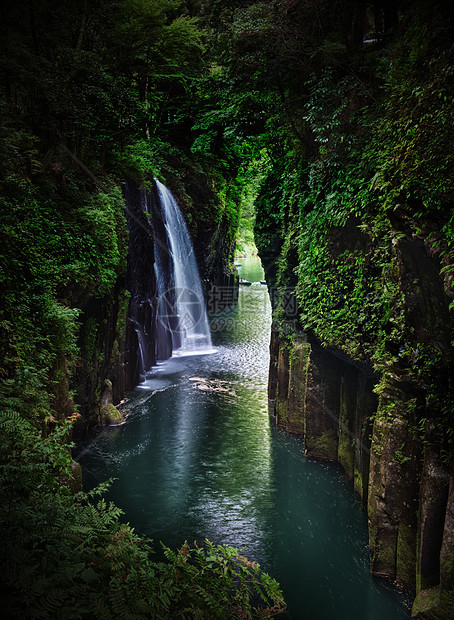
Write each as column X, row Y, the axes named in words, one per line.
column 198, row 457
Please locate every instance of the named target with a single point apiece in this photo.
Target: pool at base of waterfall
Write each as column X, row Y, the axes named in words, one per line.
column 200, row 457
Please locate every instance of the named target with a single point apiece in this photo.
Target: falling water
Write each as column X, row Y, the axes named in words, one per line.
column 182, row 306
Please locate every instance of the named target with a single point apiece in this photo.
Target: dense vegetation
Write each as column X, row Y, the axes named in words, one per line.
column 92, row 93
column 345, row 149
column 355, row 220
column 362, row 169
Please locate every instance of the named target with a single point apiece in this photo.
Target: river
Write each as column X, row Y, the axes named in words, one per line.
column 200, row 457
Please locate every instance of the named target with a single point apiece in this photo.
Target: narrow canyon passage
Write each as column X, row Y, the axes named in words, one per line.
column 200, row 457
column 146, row 145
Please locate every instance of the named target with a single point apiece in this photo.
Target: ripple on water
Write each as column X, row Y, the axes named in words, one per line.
column 207, row 463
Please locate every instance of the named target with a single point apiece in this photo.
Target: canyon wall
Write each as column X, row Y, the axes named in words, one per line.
column 120, row 335
column 384, row 425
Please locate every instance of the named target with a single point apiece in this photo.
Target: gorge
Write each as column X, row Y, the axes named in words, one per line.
column 200, row 456
column 322, row 132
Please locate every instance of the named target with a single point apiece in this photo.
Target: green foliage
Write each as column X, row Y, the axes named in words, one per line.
column 92, row 93
column 359, row 176
column 400, row 457
column 249, row 181
column 70, row 556
column 348, row 283
column 56, row 244
column 223, row 583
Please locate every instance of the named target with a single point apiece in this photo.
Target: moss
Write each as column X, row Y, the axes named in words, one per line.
column 345, row 454
column 358, row 482
column 122, row 315
column 383, row 554
column 391, row 508
column 406, row 555
column 447, row 569
column 298, row 368
column 282, row 387
column 446, row 604
column 281, row 410
column 425, row 605
column 382, row 533
column 111, row 415
column 322, row 446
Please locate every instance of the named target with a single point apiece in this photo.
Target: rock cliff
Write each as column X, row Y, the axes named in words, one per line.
column 383, row 423
column 120, row 335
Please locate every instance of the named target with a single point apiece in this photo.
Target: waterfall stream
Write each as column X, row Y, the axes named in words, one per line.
column 167, row 310
column 182, row 306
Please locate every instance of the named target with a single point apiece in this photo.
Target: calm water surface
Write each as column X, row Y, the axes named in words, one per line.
column 199, row 457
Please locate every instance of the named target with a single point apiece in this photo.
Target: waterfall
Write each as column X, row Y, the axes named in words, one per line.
column 167, row 314
column 181, row 305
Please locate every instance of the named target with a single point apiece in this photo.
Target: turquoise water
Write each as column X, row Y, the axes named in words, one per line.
column 200, row 457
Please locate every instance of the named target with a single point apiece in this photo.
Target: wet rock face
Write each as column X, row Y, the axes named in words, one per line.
column 433, row 512
column 437, row 602
column 141, row 211
column 102, row 346
column 322, row 405
column 291, row 385
column 327, row 400
column 392, row 501
column 108, row 338
column 447, row 546
column 399, row 466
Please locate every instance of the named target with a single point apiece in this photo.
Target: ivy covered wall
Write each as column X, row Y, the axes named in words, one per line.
column 355, row 228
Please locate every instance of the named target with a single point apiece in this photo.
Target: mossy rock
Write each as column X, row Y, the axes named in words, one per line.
column 111, row 415
column 433, row 604
column 346, row 455
column 426, row 603
column 322, row 446
column 383, row 551
column 406, row 555
column 358, row 482
column 282, row 413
